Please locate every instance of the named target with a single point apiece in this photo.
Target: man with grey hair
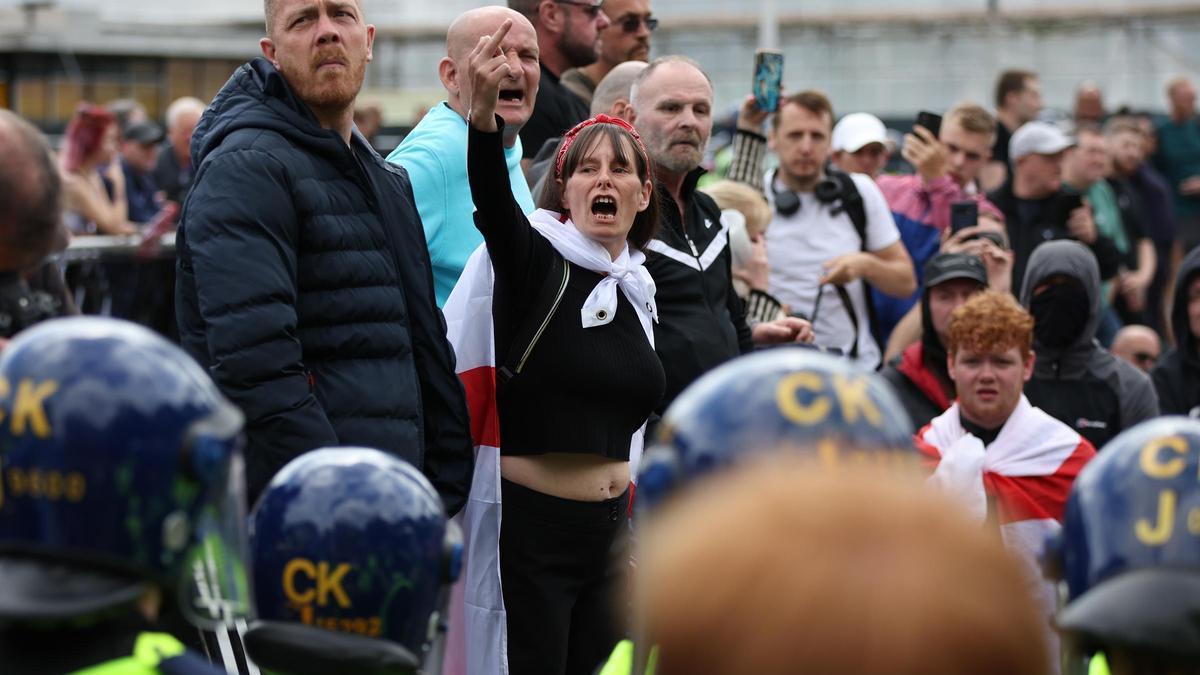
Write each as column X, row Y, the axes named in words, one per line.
column 174, row 171
column 303, row 282
column 567, row 34
column 30, row 227
column 435, row 152
column 702, row 322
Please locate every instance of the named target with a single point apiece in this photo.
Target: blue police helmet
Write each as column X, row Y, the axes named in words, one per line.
column 1130, row 546
column 789, row 399
column 355, row 541
column 120, row 465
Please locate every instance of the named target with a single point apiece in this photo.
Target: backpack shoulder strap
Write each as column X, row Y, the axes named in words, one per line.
column 852, row 204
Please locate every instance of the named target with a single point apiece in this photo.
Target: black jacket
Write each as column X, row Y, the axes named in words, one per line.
column 304, row 288
column 1082, row 385
column 701, row 320
column 1177, row 375
column 1024, row 238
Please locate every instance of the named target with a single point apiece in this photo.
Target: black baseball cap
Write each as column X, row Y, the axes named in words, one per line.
column 144, row 132
column 944, row 267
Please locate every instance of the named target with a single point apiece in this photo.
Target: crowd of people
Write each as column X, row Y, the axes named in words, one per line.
column 483, row 394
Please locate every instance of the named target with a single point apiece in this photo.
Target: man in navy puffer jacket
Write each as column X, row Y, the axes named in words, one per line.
column 304, row 283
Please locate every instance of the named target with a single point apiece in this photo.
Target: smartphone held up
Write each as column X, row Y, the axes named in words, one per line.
column 768, row 78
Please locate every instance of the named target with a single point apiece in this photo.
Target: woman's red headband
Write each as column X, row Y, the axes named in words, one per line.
column 569, row 139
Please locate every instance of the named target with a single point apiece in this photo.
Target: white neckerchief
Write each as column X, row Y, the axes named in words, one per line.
column 627, row 272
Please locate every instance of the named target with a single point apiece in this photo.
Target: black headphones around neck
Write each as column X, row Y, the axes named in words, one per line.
column 827, row 191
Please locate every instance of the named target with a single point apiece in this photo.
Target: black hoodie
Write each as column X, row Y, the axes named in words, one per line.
column 304, row 288
column 1082, row 385
column 1177, row 375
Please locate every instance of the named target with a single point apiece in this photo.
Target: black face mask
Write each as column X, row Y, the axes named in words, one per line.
column 1060, row 314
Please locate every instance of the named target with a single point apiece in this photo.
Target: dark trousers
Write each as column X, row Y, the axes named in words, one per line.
column 559, row 580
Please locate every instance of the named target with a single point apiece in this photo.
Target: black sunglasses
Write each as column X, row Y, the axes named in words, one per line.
column 630, row 23
column 592, row 9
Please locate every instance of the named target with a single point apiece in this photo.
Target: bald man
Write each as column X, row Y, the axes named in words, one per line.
column 1138, row 345
column 435, row 152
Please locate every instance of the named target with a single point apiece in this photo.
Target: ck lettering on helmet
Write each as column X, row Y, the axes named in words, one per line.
column 324, row 580
column 1165, row 459
column 848, row 392
column 27, row 410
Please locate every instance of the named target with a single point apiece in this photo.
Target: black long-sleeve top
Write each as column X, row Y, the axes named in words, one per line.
column 581, row 390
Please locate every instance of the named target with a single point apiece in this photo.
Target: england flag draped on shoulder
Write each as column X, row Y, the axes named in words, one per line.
column 477, row 619
column 1027, row 470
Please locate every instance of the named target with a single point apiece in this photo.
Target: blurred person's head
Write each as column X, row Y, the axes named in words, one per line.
column 1181, row 98
column 321, row 48
column 1089, row 104
column 31, row 212
column 990, row 352
column 672, row 102
column 1088, row 161
column 568, row 31
column 1138, row 345
column 518, row 90
column 968, row 132
column 1126, row 144
column 613, row 91
column 90, row 139
column 1036, row 151
column 775, row 569
column 950, row 280
column 1018, row 96
column 627, row 38
column 140, row 146
column 127, row 111
column 368, row 119
column 182, row 116
column 860, row 144
column 801, row 135
column 1149, row 132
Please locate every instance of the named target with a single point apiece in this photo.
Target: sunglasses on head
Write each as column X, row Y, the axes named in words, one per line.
column 591, row 9
column 630, row 22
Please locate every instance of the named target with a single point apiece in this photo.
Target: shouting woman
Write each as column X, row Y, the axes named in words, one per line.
column 573, row 408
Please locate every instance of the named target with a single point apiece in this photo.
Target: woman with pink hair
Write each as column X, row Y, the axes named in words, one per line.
column 93, row 184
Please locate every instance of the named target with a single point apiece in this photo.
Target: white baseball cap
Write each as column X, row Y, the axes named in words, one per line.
column 857, row 130
column 1038, row 138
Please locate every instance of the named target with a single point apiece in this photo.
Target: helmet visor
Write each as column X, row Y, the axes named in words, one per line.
column 215, row 587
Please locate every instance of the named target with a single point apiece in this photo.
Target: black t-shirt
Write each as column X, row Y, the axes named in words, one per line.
column 987, row 436
column 555, row 111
